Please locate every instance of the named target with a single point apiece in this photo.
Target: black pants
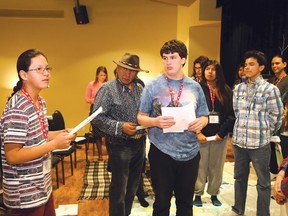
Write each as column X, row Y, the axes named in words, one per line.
column 126, row 160
column 273, row 160
column 170, row 176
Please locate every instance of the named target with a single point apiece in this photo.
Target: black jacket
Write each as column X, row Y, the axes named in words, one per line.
column 226, row 115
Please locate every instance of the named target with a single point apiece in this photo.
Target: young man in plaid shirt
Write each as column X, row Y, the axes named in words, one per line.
column 259, row 110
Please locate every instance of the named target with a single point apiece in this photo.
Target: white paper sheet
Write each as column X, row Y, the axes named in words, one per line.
column 59, row 150
column 275, row 139
column 69, row 209
column 211, row 138
column 182, row 115
column 86, row 121
column 79, row 138
column 139, row 127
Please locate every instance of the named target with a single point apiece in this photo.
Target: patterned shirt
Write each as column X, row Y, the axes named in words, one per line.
column 284, row 183
column 258, row 111
column 29, row 184
column 181, row 146
column 119, row 105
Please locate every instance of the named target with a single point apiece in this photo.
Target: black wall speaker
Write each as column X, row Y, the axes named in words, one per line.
column 81, row 14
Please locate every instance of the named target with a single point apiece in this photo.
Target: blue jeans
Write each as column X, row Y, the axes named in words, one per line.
column 168, row 175
column 260, row 159
column 126, row 161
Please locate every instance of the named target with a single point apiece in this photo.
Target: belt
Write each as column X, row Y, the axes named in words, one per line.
column 137, row 136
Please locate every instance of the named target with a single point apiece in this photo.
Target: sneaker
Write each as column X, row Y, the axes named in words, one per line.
column 197, row 201
column 215, row 201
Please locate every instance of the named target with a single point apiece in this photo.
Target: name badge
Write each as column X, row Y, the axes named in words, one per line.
column 47, row 164
column 214, row 118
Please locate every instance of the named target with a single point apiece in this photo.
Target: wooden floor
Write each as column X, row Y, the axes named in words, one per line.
column 69, row 193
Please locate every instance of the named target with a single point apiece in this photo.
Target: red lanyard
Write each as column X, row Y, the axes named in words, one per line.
column 276, row 83
column 212, row 95
column 40, row 112
column 175, row 104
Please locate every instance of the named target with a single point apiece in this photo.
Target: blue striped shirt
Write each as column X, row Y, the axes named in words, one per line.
column 258, row 111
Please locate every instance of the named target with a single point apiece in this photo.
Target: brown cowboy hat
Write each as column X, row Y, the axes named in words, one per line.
column 131, row 62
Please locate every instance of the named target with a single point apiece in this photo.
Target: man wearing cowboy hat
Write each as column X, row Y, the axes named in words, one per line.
column 119, row 99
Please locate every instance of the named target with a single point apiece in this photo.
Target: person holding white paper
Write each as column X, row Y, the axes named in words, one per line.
column 174, row 156
column 120, row 99
column 26, row 144
column 213, row 138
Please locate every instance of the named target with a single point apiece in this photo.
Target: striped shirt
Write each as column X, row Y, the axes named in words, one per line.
column 258, row 111
column 25, row 185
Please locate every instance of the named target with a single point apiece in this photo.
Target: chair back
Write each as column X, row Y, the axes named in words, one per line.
column 58, row 120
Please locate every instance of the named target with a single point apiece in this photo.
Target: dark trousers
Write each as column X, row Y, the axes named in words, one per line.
column 284, row 147
column 140, row 191
column 260, row 159
column 168, row 175
column 126, row 160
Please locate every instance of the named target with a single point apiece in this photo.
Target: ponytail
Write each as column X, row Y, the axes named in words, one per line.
column 16, row 88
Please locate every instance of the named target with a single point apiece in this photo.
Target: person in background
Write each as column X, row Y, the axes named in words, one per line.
column 278, row 65
column 280, row 189
column 119, row 99
column 173, row 156
column 26, row 144
column 94, row 86
column 240, row 75
column 198, row 65
column 259, row 110
column 221, row 120
column 91, row 91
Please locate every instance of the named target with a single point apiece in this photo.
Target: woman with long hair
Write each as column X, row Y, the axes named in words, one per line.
column 213, row 138
column 91, row 91
column 93, row 86
column 26, row 144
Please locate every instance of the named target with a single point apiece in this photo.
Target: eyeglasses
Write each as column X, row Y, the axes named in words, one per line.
column 41, row 70
column 197, row 68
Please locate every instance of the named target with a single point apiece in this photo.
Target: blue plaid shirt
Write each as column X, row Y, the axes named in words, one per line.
column 258, row 110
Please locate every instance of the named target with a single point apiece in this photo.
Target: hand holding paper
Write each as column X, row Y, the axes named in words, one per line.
column 86, row 121
column 182, row 115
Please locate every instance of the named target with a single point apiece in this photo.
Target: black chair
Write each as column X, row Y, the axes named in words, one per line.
column 55, row 161
column 58, row 120
column 94, row 136
column 59, row 124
